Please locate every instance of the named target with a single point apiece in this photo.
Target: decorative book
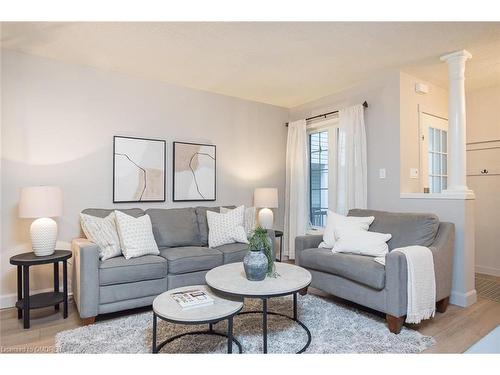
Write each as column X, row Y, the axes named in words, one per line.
column 192, row 298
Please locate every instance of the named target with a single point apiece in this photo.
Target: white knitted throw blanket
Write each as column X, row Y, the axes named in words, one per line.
column 421, row 282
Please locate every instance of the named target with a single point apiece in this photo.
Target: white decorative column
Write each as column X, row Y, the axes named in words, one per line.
column 457, row 179
column 463, row 291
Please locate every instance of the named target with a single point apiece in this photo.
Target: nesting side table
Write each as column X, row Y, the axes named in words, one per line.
column 25, row 302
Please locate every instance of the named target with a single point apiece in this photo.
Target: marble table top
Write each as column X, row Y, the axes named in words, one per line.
column 223, row 306
column 231, row 278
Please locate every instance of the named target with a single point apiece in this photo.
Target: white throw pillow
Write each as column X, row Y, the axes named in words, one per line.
column 136, row 235
column 226, row 228
column 335, row 222
column 102, row 232
column 361, row 242
column 250, row 220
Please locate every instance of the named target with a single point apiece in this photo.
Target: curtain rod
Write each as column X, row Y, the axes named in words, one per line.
column 365, row 104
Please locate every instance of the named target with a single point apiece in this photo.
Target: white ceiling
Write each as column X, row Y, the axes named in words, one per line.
column 281, row 63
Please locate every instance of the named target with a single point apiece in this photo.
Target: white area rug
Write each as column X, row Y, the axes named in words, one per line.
column 334, row 328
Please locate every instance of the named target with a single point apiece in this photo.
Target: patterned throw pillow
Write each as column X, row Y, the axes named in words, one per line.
column 102, row 232
column 136, row 235
column 226, row 228
column 250, row 221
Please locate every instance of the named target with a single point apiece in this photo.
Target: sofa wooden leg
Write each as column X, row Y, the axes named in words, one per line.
column 394, row 323
column 303, row 291
column 87, row 321
column 442, row 305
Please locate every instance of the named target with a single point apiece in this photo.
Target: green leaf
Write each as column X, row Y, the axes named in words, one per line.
column 260, row 241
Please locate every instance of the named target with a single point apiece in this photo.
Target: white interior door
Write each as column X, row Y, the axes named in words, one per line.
column 433, row 152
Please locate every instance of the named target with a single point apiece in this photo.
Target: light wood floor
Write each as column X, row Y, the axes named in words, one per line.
column 455, row 331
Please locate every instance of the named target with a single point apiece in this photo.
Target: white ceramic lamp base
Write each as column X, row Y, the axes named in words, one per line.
column 266, row 218
column 43, row 236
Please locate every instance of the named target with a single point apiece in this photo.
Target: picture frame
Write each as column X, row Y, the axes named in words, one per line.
column 194, row 172
column 139, row 169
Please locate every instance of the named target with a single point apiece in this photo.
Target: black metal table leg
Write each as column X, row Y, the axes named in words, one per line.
column 157, row 347
column 154, row 348
column 56, row 281
column 65, row 289
column 19, row 290
column 230, row 335
column 264, row 323
column 295, row 306
column 26, row 296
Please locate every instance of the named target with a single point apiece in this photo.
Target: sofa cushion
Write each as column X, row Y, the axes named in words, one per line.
column 174, row 227
column 406, row 228
column 359, row 268
column 103, row 212
column 120, row 270
column 201, row 216
column 191, row 259
column 233, row 252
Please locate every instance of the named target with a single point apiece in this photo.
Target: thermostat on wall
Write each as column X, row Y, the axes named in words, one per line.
column 421, row 88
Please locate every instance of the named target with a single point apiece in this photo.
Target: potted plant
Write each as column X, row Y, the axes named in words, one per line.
column 259, row 261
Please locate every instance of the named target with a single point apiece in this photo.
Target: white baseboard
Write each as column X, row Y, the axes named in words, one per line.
column 9, row 300
column 463, row 299
column 488, row 270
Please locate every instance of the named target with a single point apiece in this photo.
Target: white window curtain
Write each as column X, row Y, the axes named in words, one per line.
column 351, row 168
column 296, row 189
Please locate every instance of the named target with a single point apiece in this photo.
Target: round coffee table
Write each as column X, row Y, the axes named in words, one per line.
column 224, row 307
column 231, row 279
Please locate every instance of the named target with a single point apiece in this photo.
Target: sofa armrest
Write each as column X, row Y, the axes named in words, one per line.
column 306, row 242
column 86, row 277
column 443, row 249
column 396, row 276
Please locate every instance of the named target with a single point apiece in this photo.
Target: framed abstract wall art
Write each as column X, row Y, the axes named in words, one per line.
column 138, row 169
column 194, row 172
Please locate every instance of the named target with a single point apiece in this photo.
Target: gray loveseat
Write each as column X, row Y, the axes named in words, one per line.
column 115, row 284
column 360, row 279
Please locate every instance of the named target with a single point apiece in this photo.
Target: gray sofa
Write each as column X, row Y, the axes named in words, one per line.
column 360, row 279
column 115, row 284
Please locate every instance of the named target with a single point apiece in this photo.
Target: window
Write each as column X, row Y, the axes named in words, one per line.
column 318, row 177
column 434, row 152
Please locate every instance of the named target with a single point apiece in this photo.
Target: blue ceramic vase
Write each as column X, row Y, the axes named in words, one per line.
column 255, row 264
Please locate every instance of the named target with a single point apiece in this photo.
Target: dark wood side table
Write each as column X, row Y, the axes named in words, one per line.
column 25, row 302
column 279, row 234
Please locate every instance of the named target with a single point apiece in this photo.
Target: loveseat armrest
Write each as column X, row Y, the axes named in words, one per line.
column 396, row 276
column 306, row 242
column 443, row 248
column 86, row 277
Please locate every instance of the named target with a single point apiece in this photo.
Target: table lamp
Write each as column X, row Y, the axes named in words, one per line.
column 265, row 199
column 41, row 203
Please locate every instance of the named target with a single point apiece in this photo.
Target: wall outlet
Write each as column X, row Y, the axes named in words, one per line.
column 381, row 173
column 413, row 172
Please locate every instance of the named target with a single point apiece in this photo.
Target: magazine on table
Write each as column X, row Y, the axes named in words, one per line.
column 192, row 298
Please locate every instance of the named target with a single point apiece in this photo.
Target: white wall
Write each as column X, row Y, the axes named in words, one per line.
column 483, row 138
column 58, row 122
column 390, row 100
column 483, row 114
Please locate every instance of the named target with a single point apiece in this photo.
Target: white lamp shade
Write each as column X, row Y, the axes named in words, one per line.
column 40, row 201
column 266, row 197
